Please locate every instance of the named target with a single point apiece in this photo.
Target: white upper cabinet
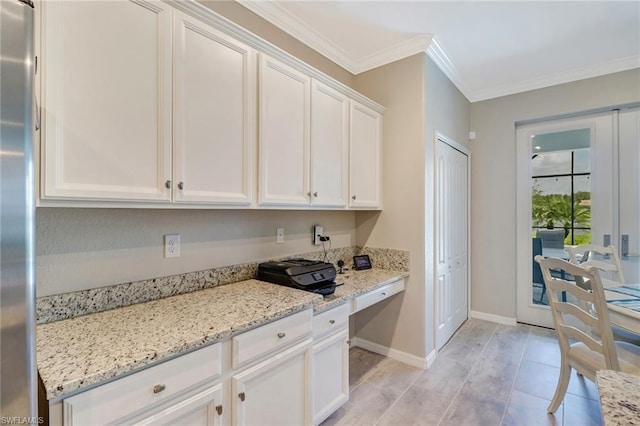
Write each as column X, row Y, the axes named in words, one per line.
column 283, row 134
column 329, row 146
column 214, row 115
column 106, row 100
column 365, row 157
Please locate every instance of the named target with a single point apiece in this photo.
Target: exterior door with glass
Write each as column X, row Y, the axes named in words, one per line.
column 566, row 181
column 629, row 194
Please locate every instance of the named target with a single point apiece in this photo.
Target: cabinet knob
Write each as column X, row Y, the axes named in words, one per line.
column 159, row 388
column 181, row 186
column 315, row 194
column 281, row 335
column 309, row 194
column 384, row 294
column 167, row 184
column 219, row 409
column 332, row 321
column 353, row 197
column 241, row 396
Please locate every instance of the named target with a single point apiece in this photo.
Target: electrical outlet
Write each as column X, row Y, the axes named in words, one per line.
column 317, row 231
column 172, row 245
column 279, row 235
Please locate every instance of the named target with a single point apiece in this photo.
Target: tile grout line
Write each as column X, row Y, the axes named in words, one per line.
column 513, row 385
column 398, row 398
column 468, row 375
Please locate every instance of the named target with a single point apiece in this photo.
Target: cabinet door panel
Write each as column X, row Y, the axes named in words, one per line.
column 329, row 146
column 330, row 375
column 365, row 157
column 283, row 134
column 276, row 391
column 199, row 409
column 214, row 115
column 106, row 100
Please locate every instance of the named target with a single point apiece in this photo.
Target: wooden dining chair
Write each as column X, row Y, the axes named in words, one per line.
column 586, row 355
column 606, row 259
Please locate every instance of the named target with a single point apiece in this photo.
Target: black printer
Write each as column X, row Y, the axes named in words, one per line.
column 310, row 275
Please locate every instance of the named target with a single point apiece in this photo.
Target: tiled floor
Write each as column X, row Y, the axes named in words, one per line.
column 488, row 374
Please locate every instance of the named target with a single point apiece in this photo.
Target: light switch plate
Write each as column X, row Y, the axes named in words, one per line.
column 279, row 235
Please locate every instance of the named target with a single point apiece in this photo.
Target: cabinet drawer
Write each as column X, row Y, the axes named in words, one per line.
column 141, row 390
column 330, row 321
column 377, row 295
column 264, row 339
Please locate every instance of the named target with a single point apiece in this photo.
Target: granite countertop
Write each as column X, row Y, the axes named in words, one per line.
column 619, row 397
column 80, row 352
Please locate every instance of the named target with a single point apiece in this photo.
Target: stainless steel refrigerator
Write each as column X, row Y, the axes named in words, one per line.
column 18, row 374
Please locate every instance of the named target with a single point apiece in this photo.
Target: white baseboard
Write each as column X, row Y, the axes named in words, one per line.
column 431, row 358
column 493, row 318
column 404, row 357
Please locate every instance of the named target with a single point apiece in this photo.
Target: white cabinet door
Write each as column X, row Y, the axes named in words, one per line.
column 275, row 392
column 106, row 100
column 204, row 408
column 365, row 157
column 329, row 146
column 330, row 375
column 283, row 134
column 214, row 115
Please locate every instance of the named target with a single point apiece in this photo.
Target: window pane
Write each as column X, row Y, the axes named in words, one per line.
column 551, row 202
column 551, row 163
column 582, row 161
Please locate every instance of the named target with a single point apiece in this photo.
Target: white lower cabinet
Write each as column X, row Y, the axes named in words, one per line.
column 330, row 361
column 276, row 391
column 203, row 408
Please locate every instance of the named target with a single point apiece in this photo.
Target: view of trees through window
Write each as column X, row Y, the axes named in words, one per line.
column 561, row 193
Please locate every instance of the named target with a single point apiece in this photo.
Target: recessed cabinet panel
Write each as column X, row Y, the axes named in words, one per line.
column 283, row 134
column 329, row 146
column 106, row 100
column 214, row 115
column 365, row 157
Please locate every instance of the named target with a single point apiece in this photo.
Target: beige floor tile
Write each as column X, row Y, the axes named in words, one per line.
column 366, row 405
column 417, row 406
column 579, row 411
column 529, row 410
column 537, row 379
column 393, row 376
column 361, row 363
column 470, row 408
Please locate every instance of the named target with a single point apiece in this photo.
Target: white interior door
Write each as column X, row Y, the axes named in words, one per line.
column 569, row 160
column 452, row 238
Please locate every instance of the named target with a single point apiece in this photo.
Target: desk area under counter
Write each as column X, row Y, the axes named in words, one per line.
column 96, row 352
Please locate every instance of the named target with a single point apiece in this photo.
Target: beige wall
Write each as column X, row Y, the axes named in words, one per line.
column 493, row 178
column 86, row 248
column 419, row 99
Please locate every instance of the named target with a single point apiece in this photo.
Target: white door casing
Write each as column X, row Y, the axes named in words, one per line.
column 452, row 206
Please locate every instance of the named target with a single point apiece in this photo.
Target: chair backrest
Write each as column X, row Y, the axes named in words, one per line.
column 551, row 238
column 596, row 317
column 606, row 259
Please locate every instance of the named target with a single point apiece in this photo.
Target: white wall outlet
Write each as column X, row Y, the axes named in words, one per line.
column 317, row 231
column 172, row 245
column 280, row 235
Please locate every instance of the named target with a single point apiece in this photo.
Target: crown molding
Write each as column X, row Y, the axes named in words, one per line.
column 623, row 64
column 442, row 60
column 279, row 16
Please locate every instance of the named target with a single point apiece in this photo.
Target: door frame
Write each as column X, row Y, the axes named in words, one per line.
column 440, row 137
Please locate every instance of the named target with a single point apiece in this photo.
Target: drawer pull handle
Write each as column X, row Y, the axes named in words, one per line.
column 281, row 335
column 241, row 396
column 384, row 294
column 332, row 321
column 219, row 409
column 159, row 388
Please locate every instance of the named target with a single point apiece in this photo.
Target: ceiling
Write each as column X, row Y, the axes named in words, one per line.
column 487, row 48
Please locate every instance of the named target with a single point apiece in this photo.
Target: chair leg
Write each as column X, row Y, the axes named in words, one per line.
column 561, row 388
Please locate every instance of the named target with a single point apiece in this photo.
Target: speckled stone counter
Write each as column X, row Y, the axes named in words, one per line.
column 356, row 283
column 619, row 397
column 80, row 352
